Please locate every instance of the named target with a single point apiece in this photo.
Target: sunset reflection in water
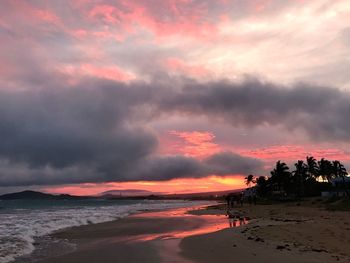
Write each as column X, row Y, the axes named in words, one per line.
column 207, row 224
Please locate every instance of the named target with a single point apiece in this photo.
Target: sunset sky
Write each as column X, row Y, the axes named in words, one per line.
column 170, row 96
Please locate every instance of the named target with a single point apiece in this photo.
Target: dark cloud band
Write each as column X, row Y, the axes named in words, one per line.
column 97, row 131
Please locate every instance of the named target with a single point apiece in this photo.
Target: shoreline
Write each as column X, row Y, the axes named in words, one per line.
column 150, row 235
column 57, row 244
column 291, row 232
column 29, row 236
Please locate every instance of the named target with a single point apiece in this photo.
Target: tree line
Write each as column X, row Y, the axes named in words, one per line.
column 308, row 178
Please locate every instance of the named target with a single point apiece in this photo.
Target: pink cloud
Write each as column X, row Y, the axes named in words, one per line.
column 181, row 18
column 109, row 14
column 80, row 33
column 179, row 66
column 259, row 6
column 112, row 72
column 27, row 13
column 47, row 16
column 295, row 152
column 106, row 72
column 196, row 144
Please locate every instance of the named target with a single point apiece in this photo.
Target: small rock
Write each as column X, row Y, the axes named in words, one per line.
column 319, row 250
column 258, row 239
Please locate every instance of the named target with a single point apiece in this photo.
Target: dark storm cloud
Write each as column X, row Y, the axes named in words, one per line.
column 152, row 168
column 66, row 127
column 226, row 162
column 68, row 135
column 320, row 111
column 97, row 131
column 170, row 167
column 87, row 134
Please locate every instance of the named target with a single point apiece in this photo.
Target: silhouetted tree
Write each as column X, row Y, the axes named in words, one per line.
column 340, row 172
column 261, row 183
column 326, row 170
column 312, row 167
column 249, row 180
column 303, row 181
column 280, row 175
column 300, row 177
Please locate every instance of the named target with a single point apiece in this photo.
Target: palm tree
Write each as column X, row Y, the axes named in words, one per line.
column 336, row 168
column 300, row 176
column 340, row 171
column 249, row 180
column 312, row 167
column 326, row 170
column 261, row 183
column 261, row 180
column 281, row 175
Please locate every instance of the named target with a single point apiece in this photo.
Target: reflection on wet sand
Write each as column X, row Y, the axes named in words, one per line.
column 237, row 222
column 206, row 224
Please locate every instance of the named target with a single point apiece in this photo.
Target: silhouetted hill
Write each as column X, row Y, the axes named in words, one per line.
column 215, row 195
column 203, row 195
column 30, row 195
column 37, row 195
column 127, row 192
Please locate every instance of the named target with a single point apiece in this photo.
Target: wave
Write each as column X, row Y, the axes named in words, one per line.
column 19, row 227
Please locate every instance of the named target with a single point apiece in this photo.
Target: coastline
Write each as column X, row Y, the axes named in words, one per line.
column 291, row 232
column 26, row 228
column 139, row 236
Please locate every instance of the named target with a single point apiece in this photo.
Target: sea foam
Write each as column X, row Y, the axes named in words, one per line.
column 19, row 227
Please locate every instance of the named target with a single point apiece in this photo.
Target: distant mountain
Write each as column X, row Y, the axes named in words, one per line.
column 38, row 195
column 117, row 194
column 142, row 194
column 127, row 192
column 204, row 195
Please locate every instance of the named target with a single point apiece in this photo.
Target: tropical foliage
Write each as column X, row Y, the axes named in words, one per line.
column 307, row 178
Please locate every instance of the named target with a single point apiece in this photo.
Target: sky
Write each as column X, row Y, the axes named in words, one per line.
column 169, row 96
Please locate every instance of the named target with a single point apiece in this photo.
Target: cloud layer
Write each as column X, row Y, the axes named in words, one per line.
column 123, row 40
column 98, row 132
column 85, row 134
column 89, row 88
column 319, row 111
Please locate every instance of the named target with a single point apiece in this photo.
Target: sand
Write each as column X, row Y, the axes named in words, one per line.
column 275, row 233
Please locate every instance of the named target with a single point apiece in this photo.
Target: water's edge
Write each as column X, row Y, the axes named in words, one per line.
column 37, row 242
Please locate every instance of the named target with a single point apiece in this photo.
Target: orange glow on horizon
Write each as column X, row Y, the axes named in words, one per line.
column 209, row 224
column 176, row 186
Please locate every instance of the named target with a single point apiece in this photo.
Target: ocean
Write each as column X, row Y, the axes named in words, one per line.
column 23, row 221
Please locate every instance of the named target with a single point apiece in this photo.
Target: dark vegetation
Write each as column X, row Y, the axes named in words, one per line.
column 308, row 178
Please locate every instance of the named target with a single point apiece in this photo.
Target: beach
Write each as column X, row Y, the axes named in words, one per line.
column 144, row 237
column 293, row 232
column 26, row 225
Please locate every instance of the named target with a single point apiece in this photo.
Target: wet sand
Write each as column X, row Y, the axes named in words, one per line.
column 147, row 237
column 275, row 233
